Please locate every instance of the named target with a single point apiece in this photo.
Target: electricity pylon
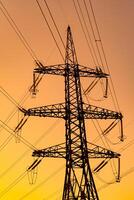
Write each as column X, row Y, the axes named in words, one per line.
column 79, row 183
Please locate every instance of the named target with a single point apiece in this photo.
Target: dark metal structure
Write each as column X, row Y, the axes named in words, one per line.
column 79, row 183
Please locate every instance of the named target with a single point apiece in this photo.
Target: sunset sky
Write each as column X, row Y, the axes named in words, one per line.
column 116, row 27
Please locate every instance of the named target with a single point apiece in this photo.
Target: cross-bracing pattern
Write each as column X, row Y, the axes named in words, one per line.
column 79, row 183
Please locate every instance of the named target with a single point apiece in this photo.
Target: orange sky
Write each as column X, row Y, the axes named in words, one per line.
column 115, row 20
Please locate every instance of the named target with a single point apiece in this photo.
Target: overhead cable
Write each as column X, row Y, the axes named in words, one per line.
column 17, row 31
column 44, row 17
column 54, row 23
column 98, row 32
column 23, row 140
column 90, row 49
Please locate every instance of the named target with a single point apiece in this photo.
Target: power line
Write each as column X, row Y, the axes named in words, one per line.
column 13, row 184
column 90, row 49
column 100, row 131
column 5, row 143
column 44, row 17
column 87, row 31
column 57, row 29
column 98, row 32
column 17, row 31
column 126, row 146
column 95, row 39
column 16, row 181
column 23, row 140
column 10, row 98
column 43, row 182
column 129, row 171
column 48, row 131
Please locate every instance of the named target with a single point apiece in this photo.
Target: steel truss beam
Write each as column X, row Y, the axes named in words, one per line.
column 79, row 183
column 60, row 69
column 59, row 111
column 59, row 151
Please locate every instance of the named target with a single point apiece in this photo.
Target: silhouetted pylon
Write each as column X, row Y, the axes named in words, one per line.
column 79, row 183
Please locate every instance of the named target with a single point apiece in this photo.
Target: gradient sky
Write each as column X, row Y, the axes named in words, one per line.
column 116, row 25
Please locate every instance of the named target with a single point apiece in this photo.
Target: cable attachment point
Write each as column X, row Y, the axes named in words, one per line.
column 18, row 129
column 106, row 89
column 118, row 175
column 32, row 171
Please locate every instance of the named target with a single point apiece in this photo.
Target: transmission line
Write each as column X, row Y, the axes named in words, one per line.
column 113, row 167
column 16, row 181
column 5, row 93
column 17, row 31
column 48, row 131
column 23, row 140
column 84, row 21
column 57, row 171
column 95, row 39
column 6, row 141
column 44, row 17
column 129, row 171
column 13, row 184
column 57, row 29
column 91, row 53
column 99, row 38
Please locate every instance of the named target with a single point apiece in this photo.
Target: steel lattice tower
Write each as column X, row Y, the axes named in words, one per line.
column 79, row 183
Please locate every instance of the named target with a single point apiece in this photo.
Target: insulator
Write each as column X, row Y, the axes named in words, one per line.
column 100, row 166
column 110, row 127
column 106, row 89
column 18, row 124
column 91, row 86
column 34, row 87
column 32, row 164
column 22, row 124
column 122, row 136
column 118, row 176
column 32, row 176
column 17, row 137
column 36, row 165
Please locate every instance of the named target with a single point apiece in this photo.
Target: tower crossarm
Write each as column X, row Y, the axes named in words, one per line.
column 58, row 69
column 55, row 110
column 89, row 72
column 94, row 112
column 56, row 151
column 95, row 151
column 59, row 151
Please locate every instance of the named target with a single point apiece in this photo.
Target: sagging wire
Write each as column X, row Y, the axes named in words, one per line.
column 26, row 152
column 45, row 19
column 57, row 29
column 18, row 128
column 12, row 132
column 18, row 179
column 100, row 137
column 6, row 142
column 17, row 31
column 13, row 184
column 131, row 170
column 91, row 86
column 84, row 21
column 32, row 171
column 57, row 171
column 115, row 100
column 90, row 49
column 10, row 98
column 36, row 80
column 97, row 169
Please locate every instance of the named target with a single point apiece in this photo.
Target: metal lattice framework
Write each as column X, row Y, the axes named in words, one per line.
column 79, row 183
